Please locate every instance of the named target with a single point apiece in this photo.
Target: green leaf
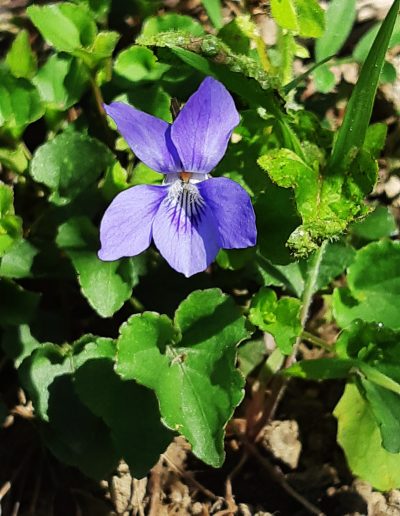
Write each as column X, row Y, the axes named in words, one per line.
column 324, row 79
column 78, row 27
column 38, row 372
column 250, row 355
column 47, row 375
column 234, row 259
column 378, row 224
column 21, row 304
column 372, row 344
column 339, row 18
column 17, row 261
column 336, row 258
column 210, row 56
column 326, row 202
column 353, row 130
column 69, row 164
column 280, row 318
column 214, row 11
column 284, row 13
column 375, row 139
column 98, row 7
column 14, row 159
column 310, row 17
column 20, row 58
column 138, row 64
column 75, row 435
column 237, row 34
column 10, row 224
column 277, row 218
column 143, row 175
column 385, row 406
column 304, row 17
column 375, row 352
column 20, row 103
column 129, row 410
column 49, row 361
column 105, row 285
column 190, row 365
column 373, row 286
column 364, row 45
column 359, row 436
column 152, row 100
column 321, row 369
column 171, row 21
column 102, row 48
column 115, row 181
column 18, row 343
column 61, row 81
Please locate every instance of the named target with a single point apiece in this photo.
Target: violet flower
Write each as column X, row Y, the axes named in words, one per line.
column 191, row 216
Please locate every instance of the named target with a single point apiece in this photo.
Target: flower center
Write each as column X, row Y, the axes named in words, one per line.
column 185, row 176
column 185, row 202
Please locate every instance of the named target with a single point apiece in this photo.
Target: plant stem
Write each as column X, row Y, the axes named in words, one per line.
column 278, row 384
column 316, row 341
column 98, row 97
column 309, row 290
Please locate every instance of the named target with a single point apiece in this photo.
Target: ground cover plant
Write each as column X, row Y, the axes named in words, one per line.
column 199, row 258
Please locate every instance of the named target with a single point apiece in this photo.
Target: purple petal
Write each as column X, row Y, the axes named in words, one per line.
column 148, row 137
column 125, row 229
column 233, row 212
column 202, row 129
column 187, row 237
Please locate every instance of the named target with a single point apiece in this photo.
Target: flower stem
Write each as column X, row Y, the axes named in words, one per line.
column 316, row 341
column 278, row 383
column 309, row 290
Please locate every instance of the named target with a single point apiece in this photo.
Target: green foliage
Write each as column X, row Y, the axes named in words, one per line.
column 79, row 28
column 352, row 133
column 105, row 285
column 20, row 58
column 75, row 390
column 378, row 224
column 58, row 164
column 370, row 352
column 138, row 64
column 171, row 21
column 61, row 81
column 20, row 104
column 326, row 202
column 21, row 304
column 18, row 260
column 373, row 286
column 304, row 17
column 339, row 17
column 79, row 36
column 280, row 317
column 140, row 440
column 211, row 56
column 190, row 364
column 213, row 8
column 10, row 224
column 358, row 434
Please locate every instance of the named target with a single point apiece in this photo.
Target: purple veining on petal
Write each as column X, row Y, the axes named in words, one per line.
column 126, row 227
column 149, row 137
column 185, row 231
column 202, row 129
column 233, row 211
